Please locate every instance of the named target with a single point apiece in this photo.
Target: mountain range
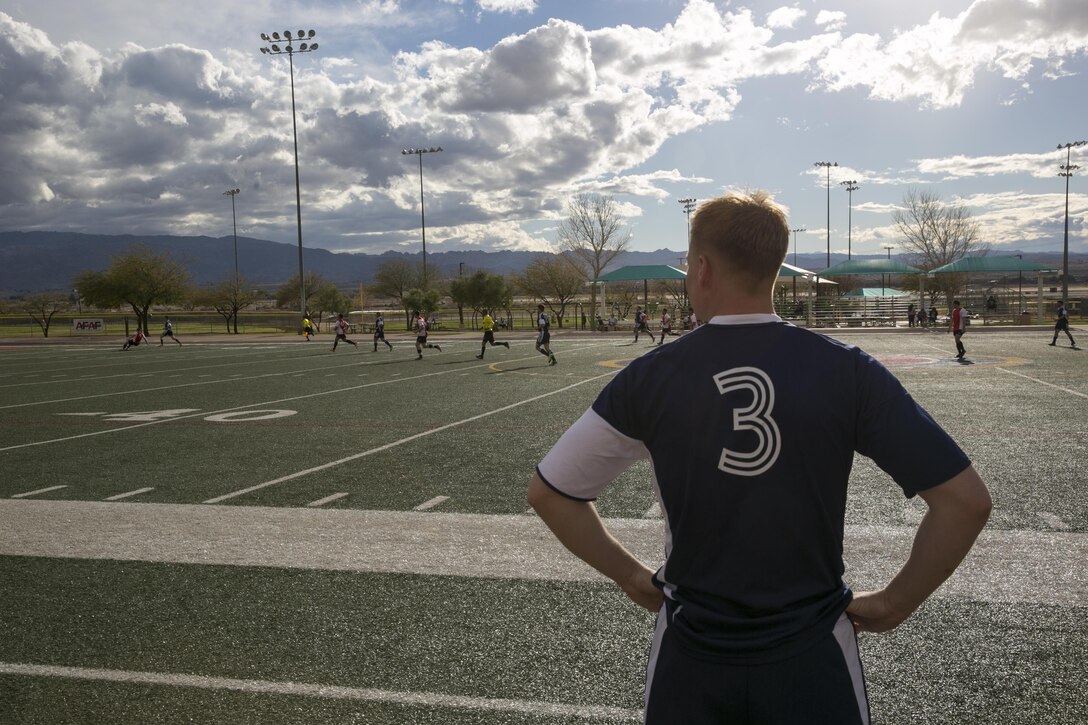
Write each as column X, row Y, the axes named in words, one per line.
column 48, row 261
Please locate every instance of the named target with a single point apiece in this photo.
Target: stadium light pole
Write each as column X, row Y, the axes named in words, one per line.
column 234, row 217
column 1067, row 172
column 289, row 50
column 688, row 206
column 422, row 218
column 882, row 287
column 828, row 165
column 851, row 187
column 798, row 229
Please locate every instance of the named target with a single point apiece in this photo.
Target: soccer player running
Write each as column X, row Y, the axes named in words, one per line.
column 341, row 328
column 1062, row 325
column 750, row 462
column 168, row 331
column 379, row 331
column 642, row 324
column 421, row 335
column 666, row 325
column 957, row 325
column 488, row 323
column 543, row 337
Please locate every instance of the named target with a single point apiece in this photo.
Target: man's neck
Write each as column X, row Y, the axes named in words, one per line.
column 732, row 304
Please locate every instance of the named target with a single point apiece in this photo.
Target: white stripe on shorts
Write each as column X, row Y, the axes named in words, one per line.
column 848, row 642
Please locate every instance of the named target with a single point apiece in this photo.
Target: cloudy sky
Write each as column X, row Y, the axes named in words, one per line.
column 129, row 116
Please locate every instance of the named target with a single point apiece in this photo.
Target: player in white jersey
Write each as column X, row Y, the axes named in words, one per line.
column 168, row 331
column 421, row 335
column 666, row 325
column 341, row 329
column 543, row 337
column 751, row 461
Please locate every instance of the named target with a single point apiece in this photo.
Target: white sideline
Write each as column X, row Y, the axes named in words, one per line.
column 1005, row 566
column 333, row 692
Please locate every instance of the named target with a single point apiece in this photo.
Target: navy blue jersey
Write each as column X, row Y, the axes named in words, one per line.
column 751, row 425
column 542, row 322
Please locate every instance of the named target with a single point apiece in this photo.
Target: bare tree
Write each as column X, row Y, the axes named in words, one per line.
column 41, row 309
column 593, row 235
column 554, row 281
column 935, row 233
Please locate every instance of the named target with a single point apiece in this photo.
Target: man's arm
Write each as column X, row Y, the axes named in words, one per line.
column 958, row 509
column 579, row 528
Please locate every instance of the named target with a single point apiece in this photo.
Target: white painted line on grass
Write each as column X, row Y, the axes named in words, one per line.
column 1052, row 520
column 241, row 407
column 654, row 512
column 128, row 494
column 35, row 493
column 327, row 499
column 1012, row 566
column 402, row 441
column 1043, row 382
column 432, row 503
column 533, row 708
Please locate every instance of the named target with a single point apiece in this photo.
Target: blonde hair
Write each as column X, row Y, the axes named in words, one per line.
column 746, row 232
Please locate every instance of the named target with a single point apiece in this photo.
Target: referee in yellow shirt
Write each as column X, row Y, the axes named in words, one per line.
column 489, row 335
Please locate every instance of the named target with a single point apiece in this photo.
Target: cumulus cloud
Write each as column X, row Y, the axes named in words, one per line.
column 148, row 137
column 784, row 17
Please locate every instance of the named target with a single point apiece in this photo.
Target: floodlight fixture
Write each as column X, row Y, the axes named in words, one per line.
column 851, row 187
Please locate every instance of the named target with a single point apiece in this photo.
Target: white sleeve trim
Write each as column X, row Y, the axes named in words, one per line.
column 588, row 456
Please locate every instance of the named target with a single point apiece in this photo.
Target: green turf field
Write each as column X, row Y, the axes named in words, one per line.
column 260, row 530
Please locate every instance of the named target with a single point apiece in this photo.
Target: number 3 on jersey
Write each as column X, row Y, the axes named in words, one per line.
column 756, row 417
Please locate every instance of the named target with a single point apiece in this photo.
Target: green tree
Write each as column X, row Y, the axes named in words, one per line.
column 425, row 301
column 328, row 299
column 226, row 298
column 139, row 279
column 593, row 235
column 482, row 290
column 41, row 309
column 554, row 280
column 287, row 293
column 394, row 279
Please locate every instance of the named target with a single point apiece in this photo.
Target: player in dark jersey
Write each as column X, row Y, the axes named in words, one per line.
column 168, row 331
column 543, row 337
column 642, row 324
column 1062, row 325
column 750, row 461
column 379, row 331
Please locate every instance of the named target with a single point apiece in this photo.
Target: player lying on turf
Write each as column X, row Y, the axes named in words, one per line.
column 751, row 449
column 134, row 340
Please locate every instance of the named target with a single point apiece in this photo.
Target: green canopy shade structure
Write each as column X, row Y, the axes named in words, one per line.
column 870, row 266
column 641, row 273
column 992, row 264
column 1000, row 264
column 788, row 271
column 878, row 292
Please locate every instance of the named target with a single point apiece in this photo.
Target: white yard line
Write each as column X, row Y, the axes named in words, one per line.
column 402, row 441
column 237, row 407
column 1043, row 382
column 1052, row 520
column 330, row 692
column 128, row 494
column 426, row 505
column 327, row 499
column 654, row 512
column 25, row 494
column 1005, row 566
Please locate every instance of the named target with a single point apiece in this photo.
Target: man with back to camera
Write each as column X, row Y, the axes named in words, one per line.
column 751, row 463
